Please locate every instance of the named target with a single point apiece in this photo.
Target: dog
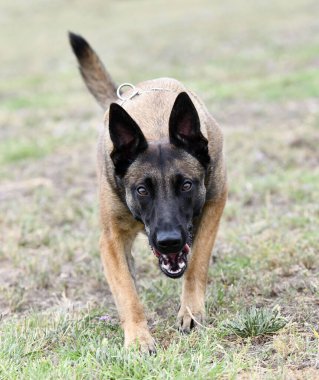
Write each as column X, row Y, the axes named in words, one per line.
column 161, row 171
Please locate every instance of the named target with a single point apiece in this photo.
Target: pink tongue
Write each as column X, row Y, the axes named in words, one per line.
column 156, row 253
column 172, row 256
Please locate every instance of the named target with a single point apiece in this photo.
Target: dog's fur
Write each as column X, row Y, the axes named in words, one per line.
column 161, row 170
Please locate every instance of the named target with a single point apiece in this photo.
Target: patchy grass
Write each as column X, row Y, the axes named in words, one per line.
column 255, row 322
column 276, row 87
column 256, row 67
column 20, row 149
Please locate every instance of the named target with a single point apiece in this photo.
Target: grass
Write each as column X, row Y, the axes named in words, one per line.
column 18, row 150
column 86, row 351
column 22, row 148
column 279, row 87
column 256, row 68
column 255, row 322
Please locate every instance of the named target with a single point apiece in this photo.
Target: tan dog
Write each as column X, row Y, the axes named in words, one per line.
column 161, row 170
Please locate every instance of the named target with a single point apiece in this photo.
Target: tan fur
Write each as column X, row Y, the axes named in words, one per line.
column 151, row 111
column 195, row 279
column 96, row 78
column 130, row 310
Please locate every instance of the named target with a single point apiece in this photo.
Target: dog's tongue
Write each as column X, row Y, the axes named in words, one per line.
column 172, row 258
column 173, row 264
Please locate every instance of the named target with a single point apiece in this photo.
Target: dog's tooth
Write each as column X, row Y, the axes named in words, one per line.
column 166, row 266
column 174, row 271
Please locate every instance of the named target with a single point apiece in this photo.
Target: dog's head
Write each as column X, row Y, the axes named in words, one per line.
column 163, row 182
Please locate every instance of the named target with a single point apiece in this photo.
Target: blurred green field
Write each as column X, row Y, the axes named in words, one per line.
column 256, row 64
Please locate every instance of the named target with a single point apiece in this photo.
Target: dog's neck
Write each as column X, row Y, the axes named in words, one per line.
column 136, row 91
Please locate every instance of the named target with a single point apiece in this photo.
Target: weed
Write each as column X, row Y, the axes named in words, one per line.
column 255, row 322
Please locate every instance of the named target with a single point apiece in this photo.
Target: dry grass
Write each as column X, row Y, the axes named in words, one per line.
column 256, row 65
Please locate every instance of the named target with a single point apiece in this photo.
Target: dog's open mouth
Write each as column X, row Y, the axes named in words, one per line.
column 173, row 264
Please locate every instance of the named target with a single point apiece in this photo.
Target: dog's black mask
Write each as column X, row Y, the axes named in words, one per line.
column 163, row 182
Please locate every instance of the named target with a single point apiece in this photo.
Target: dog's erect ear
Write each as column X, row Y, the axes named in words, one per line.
column 127, row 137
column 184, row 129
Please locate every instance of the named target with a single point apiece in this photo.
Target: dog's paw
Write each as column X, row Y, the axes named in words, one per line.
column 188, row 317
column 139, row 337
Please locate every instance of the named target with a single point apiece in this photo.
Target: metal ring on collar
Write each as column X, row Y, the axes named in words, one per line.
column 118, row 91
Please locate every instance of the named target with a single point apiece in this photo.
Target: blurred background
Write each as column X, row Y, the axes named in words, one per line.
column 256, row 65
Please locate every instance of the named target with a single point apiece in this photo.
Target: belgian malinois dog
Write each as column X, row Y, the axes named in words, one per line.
column 161, row 170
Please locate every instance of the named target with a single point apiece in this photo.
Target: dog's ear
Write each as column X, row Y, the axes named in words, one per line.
column 184, row 129
column 127, row 137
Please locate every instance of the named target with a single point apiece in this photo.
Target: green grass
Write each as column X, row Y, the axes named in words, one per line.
column 15, row 150
column 35, row 101
column 86, row 347
column 19, row 149
column 255, row 322
column 274, row 87
column 256, row 67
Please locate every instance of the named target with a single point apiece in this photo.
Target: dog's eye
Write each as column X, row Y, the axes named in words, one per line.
column 141, row 190
column 187, row 185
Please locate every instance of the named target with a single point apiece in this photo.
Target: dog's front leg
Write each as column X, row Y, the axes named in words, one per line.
column 194, row 284
column 113, row 246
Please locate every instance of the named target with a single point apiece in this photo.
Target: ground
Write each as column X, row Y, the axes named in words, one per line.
column 256, row 64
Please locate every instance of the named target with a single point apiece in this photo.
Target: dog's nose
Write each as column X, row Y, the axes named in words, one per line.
column 169, row 241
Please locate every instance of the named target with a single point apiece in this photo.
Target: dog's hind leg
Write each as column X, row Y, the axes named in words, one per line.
column 195, row 278
column 113, row 246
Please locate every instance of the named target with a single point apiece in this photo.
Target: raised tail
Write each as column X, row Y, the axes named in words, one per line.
column 94, row 74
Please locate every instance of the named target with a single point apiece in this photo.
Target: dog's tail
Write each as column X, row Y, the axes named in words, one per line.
column 94, row 74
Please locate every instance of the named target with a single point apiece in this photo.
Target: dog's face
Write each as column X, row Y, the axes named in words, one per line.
column 165, row 190
column 163, row 182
